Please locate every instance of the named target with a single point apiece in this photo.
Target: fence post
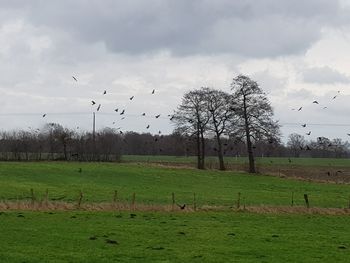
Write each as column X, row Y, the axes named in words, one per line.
column 194, row 202
column 173, row 201
column 292, row 198
column 238, row 200
column 46, row 198
column 133, row 201
column 80, row 198
column 306, row 200
column 32, row 196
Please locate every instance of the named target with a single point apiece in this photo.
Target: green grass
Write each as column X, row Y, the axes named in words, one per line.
column 319, row 162
column 154, row 185
column 178, row 237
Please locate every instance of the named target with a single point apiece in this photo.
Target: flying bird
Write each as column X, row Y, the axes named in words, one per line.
column 325, row 107
column 131, row 97
column 123, row 118
column 44, row 115
column 334, row 97
column 143, row 114
column 116, row 110
column 303, row 125
column 157, row 116
column 308, row 133
column 147, row 126
column 348, row 134
column 153, row 91
column 315, row 102
column 99, row 107
column 300, row 108
column 93, row 103
column 75, row 78
column 105, row 92
column 123, row 111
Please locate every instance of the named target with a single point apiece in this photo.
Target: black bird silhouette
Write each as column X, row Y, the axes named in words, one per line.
column 157, row 116
column 44, row 115
column 105, row 92
column 304, row 125
column 120, row 132
column 334, row 97
column 74, row 78
column 328, row 173
column 116, row 110
column 159, row 132
column 147, row 126
column 99, row 107
column 153, row 91
column 182, row 207
column 325, row 107
column 143, row 114
column 123, row 118
column 123, row 111
column 300, row 108
column 93, row 103
column 348, row 134
column 172, row 117
column 315, row 101
column 308, row 133
column 131, row 97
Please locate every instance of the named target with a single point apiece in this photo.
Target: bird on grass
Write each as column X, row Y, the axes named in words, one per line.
column 182, row 207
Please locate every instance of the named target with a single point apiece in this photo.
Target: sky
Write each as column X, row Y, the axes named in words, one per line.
column 298, row 51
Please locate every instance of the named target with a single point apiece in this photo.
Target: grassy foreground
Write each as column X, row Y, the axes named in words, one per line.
column 154, row 185
column 172, row 237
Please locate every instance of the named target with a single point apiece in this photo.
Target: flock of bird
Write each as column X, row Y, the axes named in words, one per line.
column 319, row 139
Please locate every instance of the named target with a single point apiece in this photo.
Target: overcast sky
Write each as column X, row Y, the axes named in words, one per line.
column 298, row 51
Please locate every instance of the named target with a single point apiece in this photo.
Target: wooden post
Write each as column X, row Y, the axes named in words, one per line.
column 32, row 196
column 194, row 202
column 80, row 199
column 306, row 200
column 46, row 198
column 292, row 198
column 173, row 201
column 238, row 201
column 133, row 201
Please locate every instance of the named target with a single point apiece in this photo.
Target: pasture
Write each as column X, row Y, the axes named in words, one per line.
column 43, row 234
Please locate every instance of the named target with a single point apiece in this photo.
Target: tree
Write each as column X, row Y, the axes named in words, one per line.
column 220, row 113
column 296, row 143
column 254, row 114
column 191, row 118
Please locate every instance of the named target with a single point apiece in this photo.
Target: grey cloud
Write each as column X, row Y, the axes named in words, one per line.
column 249, row 28
column 324, row 75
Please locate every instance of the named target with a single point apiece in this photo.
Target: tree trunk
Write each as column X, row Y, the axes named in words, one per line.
column 249, row 143
column 220, row 154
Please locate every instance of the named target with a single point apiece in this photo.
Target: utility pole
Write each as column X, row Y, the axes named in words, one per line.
column 93, row 135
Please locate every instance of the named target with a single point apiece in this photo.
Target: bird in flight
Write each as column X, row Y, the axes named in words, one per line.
column 348, row 134
column 131, row 97
column 157, row 116
column 143, row 114
column 116, row 110
column 334, row 97
column 325, row 107
column 315, row 102
column 99, row 107
column 147, row 126
column 105, row 92
column 153, row 91
column 303, row 125
column 93, row 103
column 123, row 118
column 123, row 111
column 44, row 115
column 309, row 133
column 300, row 108
column 75, row 78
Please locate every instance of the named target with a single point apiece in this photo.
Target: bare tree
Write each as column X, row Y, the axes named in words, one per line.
column 296, row 143
column 219, row 108
column 255, row 114
column 191, row 118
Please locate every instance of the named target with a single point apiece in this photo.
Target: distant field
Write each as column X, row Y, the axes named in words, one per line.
column 154, row 184
column 172, row 237
column 242, row 160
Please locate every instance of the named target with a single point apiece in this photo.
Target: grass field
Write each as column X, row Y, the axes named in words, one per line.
column 183, row 236
column 172, row 237
column 154, row 185
column 271, row 161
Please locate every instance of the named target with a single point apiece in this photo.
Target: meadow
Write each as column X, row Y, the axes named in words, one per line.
column 77, row 234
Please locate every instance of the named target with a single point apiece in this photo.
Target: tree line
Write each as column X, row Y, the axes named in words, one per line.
column 208, row 122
